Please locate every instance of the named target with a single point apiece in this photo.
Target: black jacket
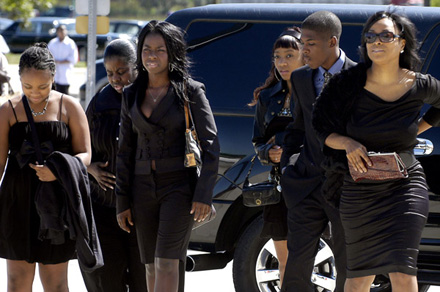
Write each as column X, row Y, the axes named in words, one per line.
column 302, row 178
column 103, row 115
column 72, row 212
column 162, row 138
column 270, row 102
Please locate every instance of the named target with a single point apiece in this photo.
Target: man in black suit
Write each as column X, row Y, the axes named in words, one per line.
column 308, row 212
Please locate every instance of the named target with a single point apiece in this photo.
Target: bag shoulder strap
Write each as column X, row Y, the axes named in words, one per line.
column 186, row 107
column 13, row 110
column 246, row 180
column 34, row 133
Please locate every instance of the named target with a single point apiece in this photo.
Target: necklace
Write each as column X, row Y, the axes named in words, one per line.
column 157, row 96
column 42, row 112
column 285, row 111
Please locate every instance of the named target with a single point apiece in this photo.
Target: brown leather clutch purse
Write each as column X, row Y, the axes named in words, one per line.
column 385, row 166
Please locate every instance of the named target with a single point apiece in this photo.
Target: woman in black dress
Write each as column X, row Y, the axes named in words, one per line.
column 122, row 268
column 156, row 193
column 273, row 113
column 375, row 106
column 61, row 125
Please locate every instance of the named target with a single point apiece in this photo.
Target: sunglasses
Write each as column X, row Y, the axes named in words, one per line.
column 384, row 37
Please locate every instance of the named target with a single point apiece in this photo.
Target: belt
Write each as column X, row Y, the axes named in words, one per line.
column 408, row 158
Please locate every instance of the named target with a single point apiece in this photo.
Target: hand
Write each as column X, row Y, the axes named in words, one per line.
column 271, row 140
column 123, row 218
column 357, row 155
column 200, row 211
column 104, row 178
column 275, row 153
column 43, row 172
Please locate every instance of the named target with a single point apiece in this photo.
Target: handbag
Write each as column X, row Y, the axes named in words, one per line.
column 193, row 151
column 210, row 217
column 261, row 194
column 384, row 166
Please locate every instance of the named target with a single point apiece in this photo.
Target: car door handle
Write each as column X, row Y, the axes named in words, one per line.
column 423, row 147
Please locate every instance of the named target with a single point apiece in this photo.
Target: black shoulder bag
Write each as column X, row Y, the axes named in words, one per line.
column 35, row 139
column 261, row 194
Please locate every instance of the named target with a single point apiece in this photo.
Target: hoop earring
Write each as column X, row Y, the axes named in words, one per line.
column 276, row 75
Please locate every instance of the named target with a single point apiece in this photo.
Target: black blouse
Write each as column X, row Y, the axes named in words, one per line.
column 383, row 126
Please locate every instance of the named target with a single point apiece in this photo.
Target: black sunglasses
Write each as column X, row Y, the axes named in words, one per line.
column 384, row 37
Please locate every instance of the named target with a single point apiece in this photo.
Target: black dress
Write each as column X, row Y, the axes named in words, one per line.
column 19, row 221
column 383, row 220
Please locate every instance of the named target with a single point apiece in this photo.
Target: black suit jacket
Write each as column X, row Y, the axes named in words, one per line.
column 306, row 174
column 161, row 137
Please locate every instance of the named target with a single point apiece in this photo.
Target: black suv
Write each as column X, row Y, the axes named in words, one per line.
column 230, row 46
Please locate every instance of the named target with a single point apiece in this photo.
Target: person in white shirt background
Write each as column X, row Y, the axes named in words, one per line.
column 4, row 68
column 4, row 49
column 65, row 52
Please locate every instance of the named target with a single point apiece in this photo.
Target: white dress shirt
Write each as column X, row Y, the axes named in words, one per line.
column 65, row 50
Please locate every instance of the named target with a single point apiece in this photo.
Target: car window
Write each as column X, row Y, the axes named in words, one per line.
column 429, row 51
column 112, row 27
column 47, row 28
column 71, row 29
column 31, row 27
column 126, row 28
column 246, row 70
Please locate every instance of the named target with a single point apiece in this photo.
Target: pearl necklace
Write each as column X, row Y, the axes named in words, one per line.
column 42, row 112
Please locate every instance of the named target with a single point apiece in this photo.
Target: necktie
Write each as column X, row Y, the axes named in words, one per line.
column 327, row 76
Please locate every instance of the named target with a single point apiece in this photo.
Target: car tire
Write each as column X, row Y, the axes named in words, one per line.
column 246, row 253
column 255, row 266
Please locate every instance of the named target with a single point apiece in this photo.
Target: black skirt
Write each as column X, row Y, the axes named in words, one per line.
column 383, row 223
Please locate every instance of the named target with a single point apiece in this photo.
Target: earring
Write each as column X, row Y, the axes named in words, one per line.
column 403, row 50
column 170, row 67
column 143, row 68
column 276, row 75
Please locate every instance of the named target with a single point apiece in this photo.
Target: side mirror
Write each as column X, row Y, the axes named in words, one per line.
column 424, row 147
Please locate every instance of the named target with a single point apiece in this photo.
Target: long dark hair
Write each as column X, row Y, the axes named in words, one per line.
column 178, row 63
column 289, row 38
column 409, row 59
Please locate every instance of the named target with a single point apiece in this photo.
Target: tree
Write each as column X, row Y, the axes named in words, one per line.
column 24, row 8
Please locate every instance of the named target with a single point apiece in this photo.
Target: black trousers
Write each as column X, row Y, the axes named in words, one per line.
column 306, row 221
column 122, row 265
column 62, row 88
